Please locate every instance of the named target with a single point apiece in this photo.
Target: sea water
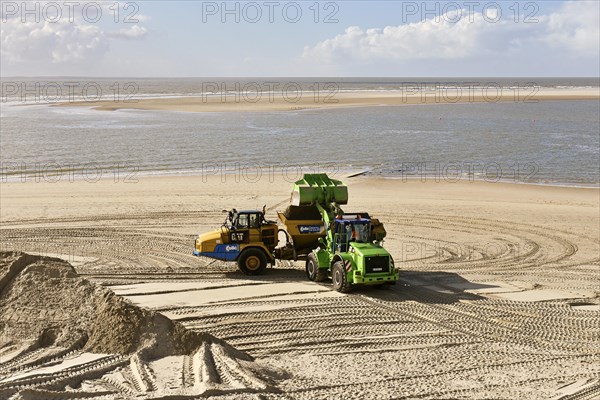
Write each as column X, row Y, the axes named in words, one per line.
column 548, row 142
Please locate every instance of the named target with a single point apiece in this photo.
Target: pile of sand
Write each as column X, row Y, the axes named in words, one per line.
column 44, row 304
column 44, row 299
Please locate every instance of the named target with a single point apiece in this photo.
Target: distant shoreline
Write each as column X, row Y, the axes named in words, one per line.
column 269, row 102
column 231, row 178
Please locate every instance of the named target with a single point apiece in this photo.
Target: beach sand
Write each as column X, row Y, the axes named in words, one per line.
column 498, row 296
column 278, row 101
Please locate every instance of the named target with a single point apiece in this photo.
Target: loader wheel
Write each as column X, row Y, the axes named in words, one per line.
column 338, row 276
column 252, row 262
column 313, row 272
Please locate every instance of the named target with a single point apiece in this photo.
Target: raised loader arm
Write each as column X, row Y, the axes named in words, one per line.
column 325, row 194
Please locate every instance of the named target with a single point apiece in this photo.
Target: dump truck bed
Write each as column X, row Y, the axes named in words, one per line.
column 304, row 226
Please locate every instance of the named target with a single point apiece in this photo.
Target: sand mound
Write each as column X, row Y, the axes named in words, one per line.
column 60, row 307
column 49, row 313
column 123, row 328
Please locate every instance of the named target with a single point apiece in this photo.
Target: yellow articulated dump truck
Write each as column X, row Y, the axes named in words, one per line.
column 346, row 247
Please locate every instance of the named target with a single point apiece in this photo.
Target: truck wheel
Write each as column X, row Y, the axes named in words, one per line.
column 313, row 272
column 252, row 261
column 338, row 276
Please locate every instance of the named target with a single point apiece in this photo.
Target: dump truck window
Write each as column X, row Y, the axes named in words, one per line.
column 254, row 221
column 242, row 221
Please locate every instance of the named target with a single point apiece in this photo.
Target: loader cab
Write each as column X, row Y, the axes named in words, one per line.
column 350, row 228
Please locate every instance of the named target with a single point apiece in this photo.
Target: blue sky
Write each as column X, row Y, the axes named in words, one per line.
column 360, row 38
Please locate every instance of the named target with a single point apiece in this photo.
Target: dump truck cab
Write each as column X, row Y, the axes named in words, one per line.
column 245, row 236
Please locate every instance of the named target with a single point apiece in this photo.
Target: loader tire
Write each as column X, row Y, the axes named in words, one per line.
column 252, row 262
column 313, row 272
column 338, row 276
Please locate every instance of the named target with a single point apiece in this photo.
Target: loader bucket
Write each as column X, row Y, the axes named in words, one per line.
column 318, row 188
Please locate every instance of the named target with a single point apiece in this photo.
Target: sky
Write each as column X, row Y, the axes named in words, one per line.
column 300, row 38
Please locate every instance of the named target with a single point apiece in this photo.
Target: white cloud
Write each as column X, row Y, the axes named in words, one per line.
column 423, row 40
column 63, row 45
column 573, row 29
column 143, row 18
column 132, row 33
column 61, row 42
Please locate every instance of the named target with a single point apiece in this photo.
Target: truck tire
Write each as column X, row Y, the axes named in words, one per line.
column 252, row 261
column 313, row 272
column 338, row 276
